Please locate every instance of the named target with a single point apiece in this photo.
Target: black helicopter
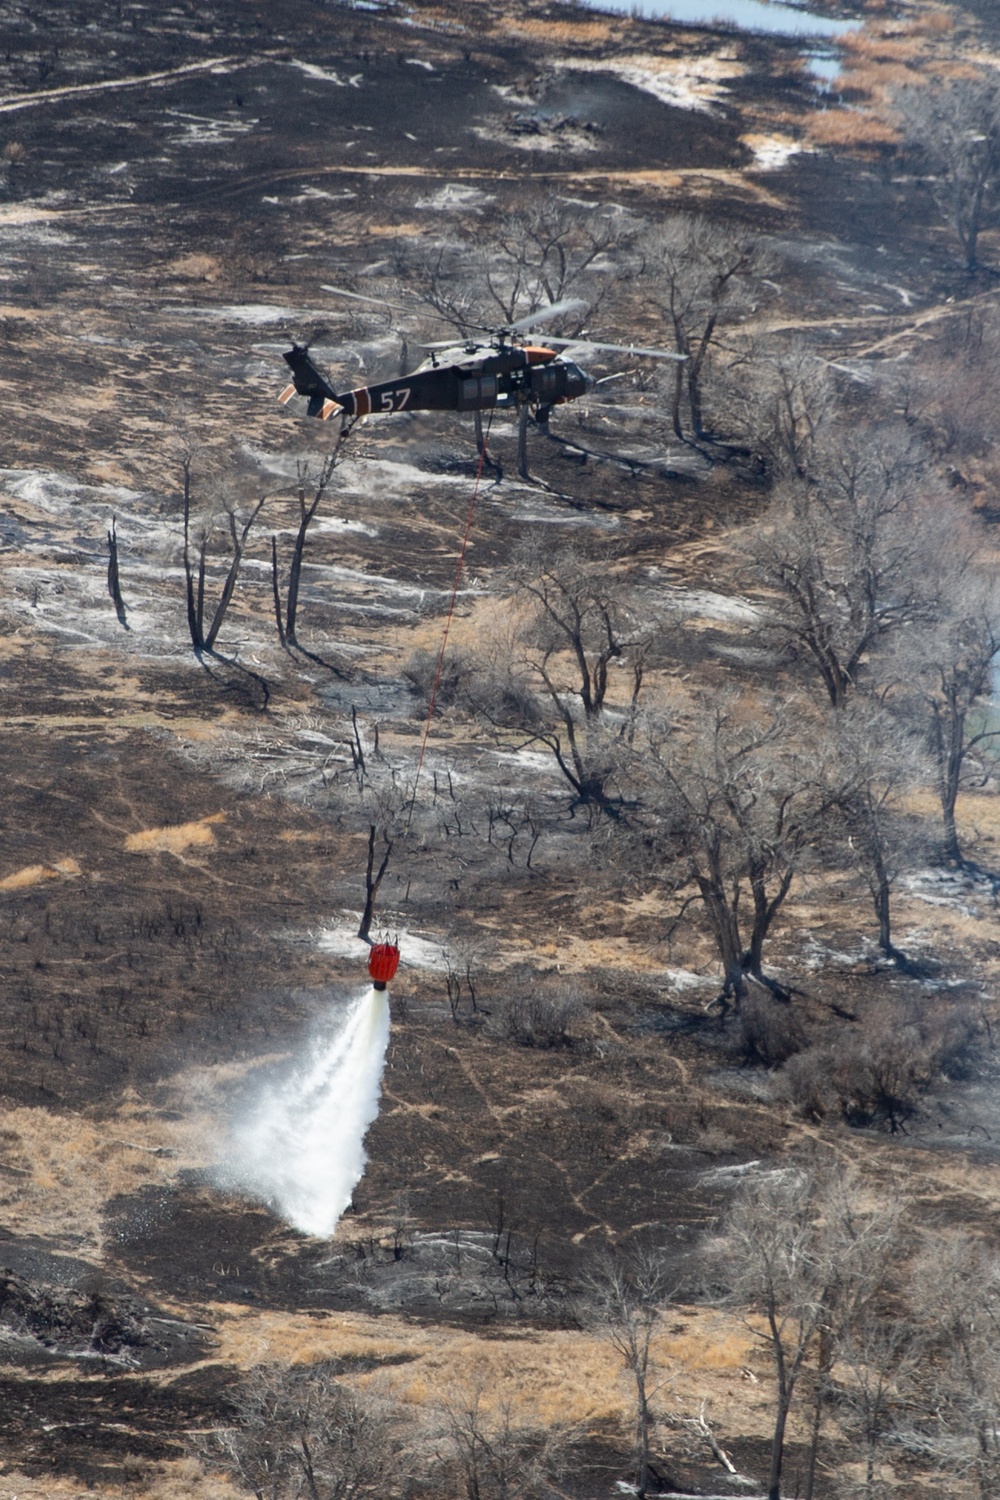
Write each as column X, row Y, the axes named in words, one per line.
column 464, row 376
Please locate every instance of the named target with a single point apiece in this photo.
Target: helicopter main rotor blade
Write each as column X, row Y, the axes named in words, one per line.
column 412, row 311
column 546, row 314
column 341, row 291
column 584, row 343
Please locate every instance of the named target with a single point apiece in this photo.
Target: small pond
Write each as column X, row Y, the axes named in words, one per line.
column 746, row 15
column 749, row 15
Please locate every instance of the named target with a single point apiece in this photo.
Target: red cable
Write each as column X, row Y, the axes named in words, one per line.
column 448, row 618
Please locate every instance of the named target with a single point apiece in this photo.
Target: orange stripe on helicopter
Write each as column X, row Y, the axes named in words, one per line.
column 537, row 355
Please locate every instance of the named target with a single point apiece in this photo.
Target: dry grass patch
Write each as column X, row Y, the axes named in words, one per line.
column 877, row 46
column 850, row 127
column 57, row 1172
column 558, row 33
column 175, row 838
column 63, row 869
column 563, row 1376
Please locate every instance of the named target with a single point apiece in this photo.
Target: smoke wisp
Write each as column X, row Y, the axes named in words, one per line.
column 298, row 1143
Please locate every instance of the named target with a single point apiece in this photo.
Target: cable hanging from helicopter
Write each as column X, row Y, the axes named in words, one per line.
column 463, row 376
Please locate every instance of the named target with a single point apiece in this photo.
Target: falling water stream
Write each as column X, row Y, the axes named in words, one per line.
column 298, row 1142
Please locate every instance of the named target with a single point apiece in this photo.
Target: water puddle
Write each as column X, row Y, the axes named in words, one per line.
column 768, row 16
column 745, row 15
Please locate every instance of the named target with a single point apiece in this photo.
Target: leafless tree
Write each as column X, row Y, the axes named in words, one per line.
column 879, row 1355
column 287, row 619
column 948, row 668
column 955, row 1294
column 702, row 276
column 562, row 667
column 735, row 804
column 581, row 627
column 784, row 398
column 869, row 765
column 301, row 1431
column 195, row 571
column 955, row 123
column 851, row 554
column 627, row 1293
column 550, row 251
column 386, row 801
column 517, row 263
column 805, row 1253
column 488, row 1450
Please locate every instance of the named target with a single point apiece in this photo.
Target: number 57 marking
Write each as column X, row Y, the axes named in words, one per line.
column 399, row 397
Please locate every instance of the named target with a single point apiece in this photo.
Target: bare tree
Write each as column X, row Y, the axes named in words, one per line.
column 785, row 399
column 955, row 1293
column 287, row 626
column 879, row 1353
column 580, row 628
column 735, row 803
column 851, row 554
column 301, row 1431
column 551, row 251
column 563, row 667
column 627, row 1293
column 380, row 846
column 869, row 765
column 491, row 1452
column 948, row 666
column 955, row 123
column 703, row 276
column 386, row 802
column 806, row 1254
column 517, row 263
column 194, row 573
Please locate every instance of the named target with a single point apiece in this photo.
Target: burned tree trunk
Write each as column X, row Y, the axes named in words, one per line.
column 114, row 583
column 372, row 879
column 195, row 581
column 307, row 511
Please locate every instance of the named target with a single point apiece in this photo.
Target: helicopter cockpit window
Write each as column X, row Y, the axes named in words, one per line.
column 577, row 382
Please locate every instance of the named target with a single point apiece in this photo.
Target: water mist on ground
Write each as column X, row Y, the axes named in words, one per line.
column 298, row 1142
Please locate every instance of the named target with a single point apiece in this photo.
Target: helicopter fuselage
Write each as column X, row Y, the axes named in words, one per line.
column 463, row 377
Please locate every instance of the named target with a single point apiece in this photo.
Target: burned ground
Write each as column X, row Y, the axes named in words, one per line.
column 183, row 842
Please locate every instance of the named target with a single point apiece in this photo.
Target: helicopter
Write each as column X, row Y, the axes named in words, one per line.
column 464, row 376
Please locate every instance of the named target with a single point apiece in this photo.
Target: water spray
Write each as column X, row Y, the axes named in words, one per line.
column 299, row 1142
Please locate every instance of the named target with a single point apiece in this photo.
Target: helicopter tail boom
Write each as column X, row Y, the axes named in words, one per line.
column 307, row 381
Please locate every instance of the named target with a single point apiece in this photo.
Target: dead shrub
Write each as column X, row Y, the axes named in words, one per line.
column 475, row 686
column 539, row 1016
column 421, row 669
column 767, row 1031
column 876, row 1073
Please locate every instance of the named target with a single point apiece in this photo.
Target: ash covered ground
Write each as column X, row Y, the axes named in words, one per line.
column 185, row 841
